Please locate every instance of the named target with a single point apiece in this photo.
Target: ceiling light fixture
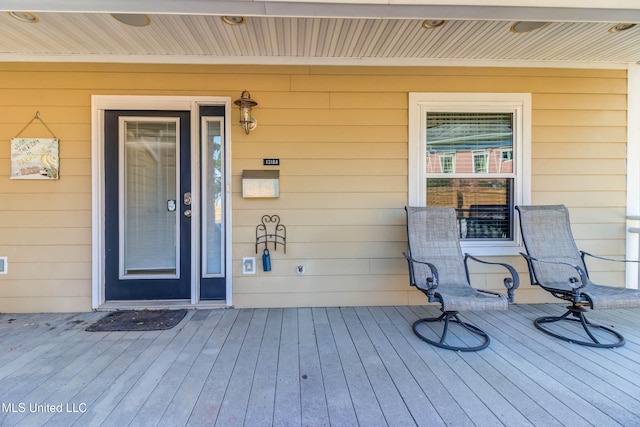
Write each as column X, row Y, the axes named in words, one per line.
column 527, row 26
column 27, row 17
column 430, row 24
column 133, row 19
column 618, row 28
column 234, row 20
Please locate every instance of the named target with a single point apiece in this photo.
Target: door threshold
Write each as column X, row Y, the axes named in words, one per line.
column 160, row 305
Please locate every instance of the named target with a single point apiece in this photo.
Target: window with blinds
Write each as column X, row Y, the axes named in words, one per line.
column 472, row 151
column 480, row 186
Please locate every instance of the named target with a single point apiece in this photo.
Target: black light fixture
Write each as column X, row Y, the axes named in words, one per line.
column 245, row 103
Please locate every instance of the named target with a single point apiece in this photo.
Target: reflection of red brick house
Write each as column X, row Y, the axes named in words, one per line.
column 491, row 160
column 482, row 201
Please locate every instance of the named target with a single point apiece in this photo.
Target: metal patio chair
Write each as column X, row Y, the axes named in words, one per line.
column 556, row 265
column 438, row 268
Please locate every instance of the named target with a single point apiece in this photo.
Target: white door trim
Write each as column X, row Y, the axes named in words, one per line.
column 100, row 103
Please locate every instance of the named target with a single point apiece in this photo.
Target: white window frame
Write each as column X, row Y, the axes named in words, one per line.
column 517, row 103
column 482, row 154
column 448, row 156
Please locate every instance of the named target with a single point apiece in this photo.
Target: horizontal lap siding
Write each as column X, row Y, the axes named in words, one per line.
column 45, row 226
column 341, row 136
column 345, row 161
column 579, row 159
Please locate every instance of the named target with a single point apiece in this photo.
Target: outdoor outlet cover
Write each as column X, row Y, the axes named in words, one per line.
column 300, row 269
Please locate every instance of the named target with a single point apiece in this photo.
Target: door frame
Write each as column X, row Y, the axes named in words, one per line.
column 100, row 103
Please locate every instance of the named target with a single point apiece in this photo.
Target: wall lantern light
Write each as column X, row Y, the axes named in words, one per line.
column 245, row 103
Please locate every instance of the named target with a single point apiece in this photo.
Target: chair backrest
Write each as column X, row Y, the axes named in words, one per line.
column 433, row 237
column 546, row 232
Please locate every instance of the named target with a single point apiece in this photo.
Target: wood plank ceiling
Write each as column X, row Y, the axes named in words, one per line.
column 205, row 38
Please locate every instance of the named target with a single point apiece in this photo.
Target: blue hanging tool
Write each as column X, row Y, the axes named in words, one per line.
column 266, row 260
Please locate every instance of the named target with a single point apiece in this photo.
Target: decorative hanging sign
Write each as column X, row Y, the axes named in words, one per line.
column 34, row 158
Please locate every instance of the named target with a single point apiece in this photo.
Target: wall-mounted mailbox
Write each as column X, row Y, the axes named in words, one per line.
column 261, row 183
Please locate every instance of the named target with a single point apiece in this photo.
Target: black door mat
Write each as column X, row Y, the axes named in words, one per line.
column 138, row 320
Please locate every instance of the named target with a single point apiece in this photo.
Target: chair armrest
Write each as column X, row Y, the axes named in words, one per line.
column 583, row 254
column 511, row 283
column 582, row 274
column 431, row 282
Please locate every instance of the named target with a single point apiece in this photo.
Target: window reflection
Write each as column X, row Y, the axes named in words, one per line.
column 464, row 145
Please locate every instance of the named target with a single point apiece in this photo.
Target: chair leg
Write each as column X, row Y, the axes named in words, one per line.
column 577, row 315
column 447, row 317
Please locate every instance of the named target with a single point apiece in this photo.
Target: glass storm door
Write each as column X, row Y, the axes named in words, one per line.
column 148, row 205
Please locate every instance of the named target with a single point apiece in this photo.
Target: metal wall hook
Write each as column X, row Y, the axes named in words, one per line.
column 36, row 117
column 271, row 231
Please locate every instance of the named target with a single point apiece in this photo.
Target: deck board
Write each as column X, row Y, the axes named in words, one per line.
column 429, row 380
column 236, row 398
column 263, row 387
column 179, row 409
column 287, row 411
column 363, row 397
column 534, row 387
column 390, row 400
column 444, row 363
column 568, row 375
column 313, row 400
column 420, row 407
column 333, row 366
column 207, row 407
column 339, row 404
column 153, row 409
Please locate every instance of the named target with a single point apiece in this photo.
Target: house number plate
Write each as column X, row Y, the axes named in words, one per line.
column 271, row 162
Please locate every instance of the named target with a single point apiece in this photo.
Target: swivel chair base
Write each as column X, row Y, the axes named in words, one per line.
column 447, row 317
column 577, row 314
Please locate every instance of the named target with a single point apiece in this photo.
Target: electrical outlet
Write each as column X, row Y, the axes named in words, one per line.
column 300, row 269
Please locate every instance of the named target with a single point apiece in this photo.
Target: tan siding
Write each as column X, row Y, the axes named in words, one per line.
column 348, row 184
column 583, row 198
column 585, row 118
column 589, row 183
column 583, row 134
column 335, row 117
column 468, row 72
column 341, row 135
column 369, row 101
column 48, row 288
column 580, row 150
column 48, row 236
column 578, row 166
column 45, row 200
column 329, row 150
column 581, row 101
column 44, row 219
column 598, row 215
column 368, row 83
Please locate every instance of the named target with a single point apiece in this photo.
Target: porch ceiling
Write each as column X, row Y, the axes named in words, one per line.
column 302, row 32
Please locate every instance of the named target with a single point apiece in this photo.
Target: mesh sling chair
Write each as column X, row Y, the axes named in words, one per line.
column 438, row 268
column 556, row 265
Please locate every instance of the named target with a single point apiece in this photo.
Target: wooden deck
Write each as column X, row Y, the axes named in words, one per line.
column 313, row 367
